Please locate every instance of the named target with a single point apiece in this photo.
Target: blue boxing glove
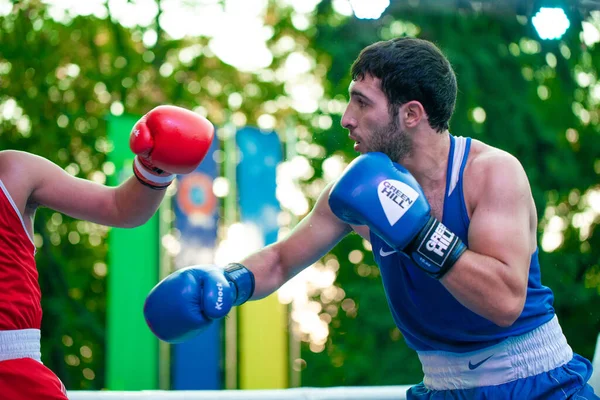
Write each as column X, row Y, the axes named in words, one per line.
column 186, row 302
column 383, row 195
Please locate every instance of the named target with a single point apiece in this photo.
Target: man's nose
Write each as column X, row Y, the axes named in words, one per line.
column 348, row 121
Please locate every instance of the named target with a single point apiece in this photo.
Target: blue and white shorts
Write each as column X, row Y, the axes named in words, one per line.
column 537, row 365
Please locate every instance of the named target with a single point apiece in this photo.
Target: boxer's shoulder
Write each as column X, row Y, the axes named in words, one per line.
column 490, row 169
column 18, row 163
column 10, row 161
column 17, row 173
column 484, row 155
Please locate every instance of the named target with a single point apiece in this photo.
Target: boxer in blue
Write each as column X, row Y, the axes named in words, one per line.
column 452, row 224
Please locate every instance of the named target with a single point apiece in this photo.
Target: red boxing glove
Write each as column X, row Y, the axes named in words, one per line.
column 169, row 140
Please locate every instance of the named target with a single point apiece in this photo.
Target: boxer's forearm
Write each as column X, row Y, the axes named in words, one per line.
column 135, row 203
column 268, row 269
column 487, row 286
column 313, row 237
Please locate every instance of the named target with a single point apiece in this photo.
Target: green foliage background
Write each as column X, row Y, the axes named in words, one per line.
column 64, row 77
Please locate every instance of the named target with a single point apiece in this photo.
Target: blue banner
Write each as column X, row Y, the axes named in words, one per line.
column 196, row 364
column 256, row 179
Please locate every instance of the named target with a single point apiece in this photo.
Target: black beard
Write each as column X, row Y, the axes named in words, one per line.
column 392, row 141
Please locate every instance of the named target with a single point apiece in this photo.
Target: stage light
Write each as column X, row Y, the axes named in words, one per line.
column 551, row 23
column 369, row 9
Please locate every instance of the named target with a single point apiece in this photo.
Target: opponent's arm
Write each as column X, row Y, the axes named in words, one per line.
column 310, row 240
column 490, row 278
column 128, row 205
column 166, row 139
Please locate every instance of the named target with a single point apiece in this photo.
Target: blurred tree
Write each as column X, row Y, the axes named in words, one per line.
column 59, row 78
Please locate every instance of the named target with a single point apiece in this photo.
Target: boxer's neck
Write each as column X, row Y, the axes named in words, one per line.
column 428, row 160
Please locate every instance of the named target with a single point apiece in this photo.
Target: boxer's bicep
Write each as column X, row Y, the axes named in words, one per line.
column 313, row 237
column 500, row 224
column 363, row 231
column 54, row 188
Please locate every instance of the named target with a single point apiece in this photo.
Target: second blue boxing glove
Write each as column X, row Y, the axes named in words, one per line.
column 186, row 302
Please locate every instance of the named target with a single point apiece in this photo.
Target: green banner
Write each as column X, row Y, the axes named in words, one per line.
column 133, row 262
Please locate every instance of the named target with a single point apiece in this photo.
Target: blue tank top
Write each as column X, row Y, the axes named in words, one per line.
column 428, row 316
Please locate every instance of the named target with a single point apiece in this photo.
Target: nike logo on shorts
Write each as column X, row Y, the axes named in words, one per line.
column 477, row 365
column 385, row 253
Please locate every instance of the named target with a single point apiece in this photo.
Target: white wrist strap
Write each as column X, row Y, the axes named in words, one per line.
column 161, row 180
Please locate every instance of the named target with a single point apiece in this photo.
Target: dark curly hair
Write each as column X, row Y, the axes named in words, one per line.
column 411, row 69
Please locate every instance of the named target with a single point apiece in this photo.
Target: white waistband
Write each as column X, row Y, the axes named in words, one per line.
column 540, row 350
column 22, row 343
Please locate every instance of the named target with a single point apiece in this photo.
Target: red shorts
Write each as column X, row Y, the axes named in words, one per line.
column 28, row 379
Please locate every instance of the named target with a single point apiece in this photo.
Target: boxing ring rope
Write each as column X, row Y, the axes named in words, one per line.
column 332, row 393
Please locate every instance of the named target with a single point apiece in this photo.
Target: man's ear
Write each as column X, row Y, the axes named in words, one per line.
column 412, row 113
